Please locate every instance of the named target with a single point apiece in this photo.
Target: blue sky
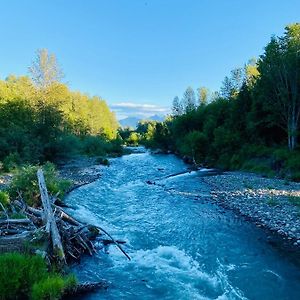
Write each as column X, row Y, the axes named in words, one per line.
column 139, row 54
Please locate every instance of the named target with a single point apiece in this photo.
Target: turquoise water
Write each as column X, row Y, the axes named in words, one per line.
column 182, row 246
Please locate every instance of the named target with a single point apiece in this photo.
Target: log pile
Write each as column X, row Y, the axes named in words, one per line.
column 50, row 231
column 64, row 238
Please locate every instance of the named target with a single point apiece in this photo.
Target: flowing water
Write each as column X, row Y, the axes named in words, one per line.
column 182, row 246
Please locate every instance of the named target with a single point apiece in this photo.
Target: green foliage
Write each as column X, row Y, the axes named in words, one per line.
column 53, row 287
column 247, row 125
column 27, row 277
column 17, row 215
column 11, row 161
column 50, row 288
column 94, row 146
column 133, row 139
column 42, row 120
column 194, row 145
column 25, row 181
column 4, row 199
column 18, row 273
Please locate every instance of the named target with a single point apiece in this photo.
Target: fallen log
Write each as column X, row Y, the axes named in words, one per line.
column 15, row 221
column 64, row 216
column 86, row 287
column 16, row 242
column 49, row 220
column 115, row 242
column 109, row 242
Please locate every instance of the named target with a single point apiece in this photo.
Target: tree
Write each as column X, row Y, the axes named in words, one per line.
column 189, row 100
column 251, row 72
column 279, row 81
column 232, row 85
column 44, row 69
column 194, row 144
column 177, row 108
column 203, row 94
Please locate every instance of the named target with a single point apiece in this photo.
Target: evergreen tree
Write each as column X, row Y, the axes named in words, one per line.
column 189, row 100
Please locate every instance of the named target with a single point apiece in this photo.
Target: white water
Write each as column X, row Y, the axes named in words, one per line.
column 182, row 246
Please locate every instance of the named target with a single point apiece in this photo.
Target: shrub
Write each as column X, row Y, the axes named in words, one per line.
column 11, row 161
column 4, row 199
column 18, row 273
column 295, row 176
column 26, row 182
column 94, row 145
column 50, row 288
column 26, row 276
column 66, row 146
column 133, row 139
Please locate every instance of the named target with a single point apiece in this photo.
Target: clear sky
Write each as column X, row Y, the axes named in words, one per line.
column 139, row 54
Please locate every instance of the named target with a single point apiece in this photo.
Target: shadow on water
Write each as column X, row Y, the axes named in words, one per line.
column 182, row 246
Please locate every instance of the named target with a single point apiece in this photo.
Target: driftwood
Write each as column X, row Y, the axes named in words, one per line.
column 85, row 287
column 65, row 238
column 49, row 219
column 15, row 242
column 109, row 242
column 15, row 221
column 115, row 242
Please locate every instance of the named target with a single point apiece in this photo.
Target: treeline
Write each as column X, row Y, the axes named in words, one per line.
column 251, row 123
column 41, row 119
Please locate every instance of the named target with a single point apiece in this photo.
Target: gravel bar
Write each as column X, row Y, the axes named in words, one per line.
column 270, row 203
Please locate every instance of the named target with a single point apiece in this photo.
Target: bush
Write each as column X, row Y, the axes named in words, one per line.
column 18, row 273
column 25, row 181
column 11, row 161
column 26, row 276
column 50, row 288
column 4, row 199
column 94, row 145
column 133, row 139
column 66, row 146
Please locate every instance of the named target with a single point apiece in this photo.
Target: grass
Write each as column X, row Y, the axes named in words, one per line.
column 27, row 277
column 25, row 182
column 4, row 199
column 17, row 215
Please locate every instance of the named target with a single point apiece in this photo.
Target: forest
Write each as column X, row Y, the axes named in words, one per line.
column 252, row 123
column 41, row 119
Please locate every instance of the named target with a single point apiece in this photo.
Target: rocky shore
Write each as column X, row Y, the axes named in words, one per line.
column 271, row 203
column 81, row 170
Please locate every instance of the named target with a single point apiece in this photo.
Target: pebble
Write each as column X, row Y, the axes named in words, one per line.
column 269, row 208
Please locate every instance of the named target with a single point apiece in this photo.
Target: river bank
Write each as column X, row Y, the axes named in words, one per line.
column 270, row 203
column 80, row 170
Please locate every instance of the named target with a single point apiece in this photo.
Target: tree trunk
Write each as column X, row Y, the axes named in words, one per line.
column 292, row 134
column 49, row 220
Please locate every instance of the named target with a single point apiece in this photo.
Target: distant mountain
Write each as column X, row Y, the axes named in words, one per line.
column 129, row 122
column 157, row 118
column 133, row 121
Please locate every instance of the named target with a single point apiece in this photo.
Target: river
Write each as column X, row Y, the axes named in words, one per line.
column 182, row 246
